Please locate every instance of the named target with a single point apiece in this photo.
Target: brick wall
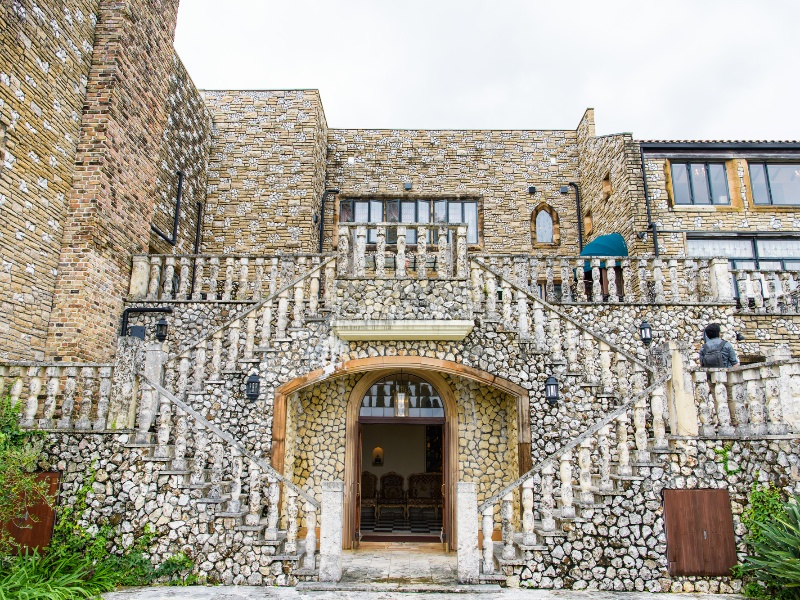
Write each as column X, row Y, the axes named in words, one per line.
column 266, row 171
column 116, row 175
column 45, row 54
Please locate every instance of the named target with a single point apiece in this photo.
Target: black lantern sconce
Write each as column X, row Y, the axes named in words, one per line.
column 646, row 333
column 252, row 388
column 551, row 391
column 161, row 329
column 740, row 337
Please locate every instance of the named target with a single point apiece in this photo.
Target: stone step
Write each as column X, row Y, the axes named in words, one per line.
column 402, row 588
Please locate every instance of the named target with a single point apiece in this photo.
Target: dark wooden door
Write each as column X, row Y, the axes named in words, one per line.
column 357, row 495
column 35, row 531
column 699, row 526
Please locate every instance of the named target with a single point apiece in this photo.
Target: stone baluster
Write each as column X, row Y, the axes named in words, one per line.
column 643, row 296
column 32, row 404
column 233, row 346
column 771, row 279
column 507, row 516
column 380, row 252
column 85, row 410
column 198, row 475
column 299, row 301
column 639, row 416
column 657, row 397
column 623, row 452
column 155, row 278
column 521, row 273
column 400, row 258
column 658, row 281
column 597, row 285
column 461, row 252
column 68, row 403
column 622, row 376
column 215, row 489
column 273, row 499
column 4, row 375
column 786, row 287
column 491, row 296
column 16, row 385
column 755, row 402
column 283, row 314
column 758, row 294
column 571, row 341
column 266, row 322
column 534, row 274
column 611, row 275
column 244, row 276
column 507, row 268
column 528, row 533
column 235, row 503
column 181, row 430
column 199, row 374
column 253, row 518
column 422, row 252
column 606, row 376
column 548, row 502
column 169, row 276
column 477, row 288
column 182, row 384
column 674, row 284
column 229, row 269
column 313, row 289
column 738, row 401
column 199, row 273
column 487, row 526
column 523, row 326
column 567, row 499
column 690, row 270
column 104, row 397
column 704, row 282
column 627, row 281
column 704, row 403
column 330, row 278
column 774, row 409
column 164, row 427
column 250, row 337
column 719, row 379
column 343, row 252
column 441, row 264
column 53, row 383
column 566, row 281
column 213, row 278
column 258, row 285
column 360, row 258
column 604, row 449
column 549, row 283
column 590, row 359
column 216, row 356
column 580, row 284
column 585, row 465
column 538, row 327
column 309, row 558
column 556, row 343
column 290, row 546
column 185, row 279
column 508, row 298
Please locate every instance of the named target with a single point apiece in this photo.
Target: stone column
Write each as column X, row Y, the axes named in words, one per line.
column 720, row 280
column 467, row 526
column 140, row 277
column 330, row 544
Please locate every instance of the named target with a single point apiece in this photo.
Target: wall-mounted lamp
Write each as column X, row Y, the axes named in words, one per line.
column 400, row 397
column 646, row 333
column 532, row 189
column 740, row 337
column 551, row 391
column 407, row 186
column 161, row 329
column 642, row 235
column 252, row 388
column 377, row 457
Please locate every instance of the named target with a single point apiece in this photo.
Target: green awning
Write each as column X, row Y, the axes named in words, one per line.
column 612, row 244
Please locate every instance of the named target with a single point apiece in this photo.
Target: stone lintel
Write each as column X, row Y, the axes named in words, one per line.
column 433, row 329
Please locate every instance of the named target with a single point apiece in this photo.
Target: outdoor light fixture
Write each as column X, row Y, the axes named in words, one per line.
column 532, row 189
column 161, row 329
column 740, row 337
column 407, row 186
column 400, row 397
column 646, row 333
column 252, row 387
column 564, row 189
column 551, row 391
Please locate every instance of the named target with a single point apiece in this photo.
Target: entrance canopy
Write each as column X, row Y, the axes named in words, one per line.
column 612, row 244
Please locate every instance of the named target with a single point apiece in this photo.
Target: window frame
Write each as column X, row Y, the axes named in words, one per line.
column 687, row 164
column 765, row 165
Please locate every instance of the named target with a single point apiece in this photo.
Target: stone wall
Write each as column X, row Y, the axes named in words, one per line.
column 497, row 167
column 265, row 173
column 45, row 54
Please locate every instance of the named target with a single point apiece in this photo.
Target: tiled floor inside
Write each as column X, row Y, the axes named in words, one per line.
column 420, row 521
column 399, row 562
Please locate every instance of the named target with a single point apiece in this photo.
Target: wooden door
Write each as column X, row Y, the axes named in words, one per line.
column 37, row 529
column 357, row 493
column 699, row 526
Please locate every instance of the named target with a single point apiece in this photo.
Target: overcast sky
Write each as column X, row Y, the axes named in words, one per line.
column 700, row 69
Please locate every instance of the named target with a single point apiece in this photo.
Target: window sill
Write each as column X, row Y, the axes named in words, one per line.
column 779, row 208
column 704, row 208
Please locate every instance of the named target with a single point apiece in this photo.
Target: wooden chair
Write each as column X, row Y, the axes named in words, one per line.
column 425, row 491
column 392, row 494
column 369, row 490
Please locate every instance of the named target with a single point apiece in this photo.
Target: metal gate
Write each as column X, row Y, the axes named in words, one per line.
column 37, row 529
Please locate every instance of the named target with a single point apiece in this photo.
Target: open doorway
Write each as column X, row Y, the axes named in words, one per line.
column 402, row 491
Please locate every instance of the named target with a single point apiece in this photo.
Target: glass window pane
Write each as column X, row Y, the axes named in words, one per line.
column 769, row 265
column 711, row 248
column 784, row 183
column 699, row 176
column 346, row 212
column 758, row 181
column 392, row 211
column 454, row 212
column 778, row 248
column 744, row 264
column 423, row 211
column 440, row 211
column 680, row 184
column 408, row 212
column 375, row 211
column 544, row 228
column 362, row 212
column 471, row 218
column 719, row 184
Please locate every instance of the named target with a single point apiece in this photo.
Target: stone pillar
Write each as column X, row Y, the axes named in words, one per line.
column 467, row 528
column 682, row 407
column 720, row 280
column 122, row 403
column 140, row 277
column 330, row 544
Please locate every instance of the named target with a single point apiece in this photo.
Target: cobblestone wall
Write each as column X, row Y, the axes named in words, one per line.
column 265, row 174
column 402, row 299
column 45, row 53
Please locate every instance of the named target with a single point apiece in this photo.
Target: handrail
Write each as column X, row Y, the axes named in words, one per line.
column 264, row 256
column 41, row 363
column 226, row 437
column 564, row 316
column 574, row 443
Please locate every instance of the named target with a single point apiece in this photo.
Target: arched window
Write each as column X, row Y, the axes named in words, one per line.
column 419, row 398
column 544, row 226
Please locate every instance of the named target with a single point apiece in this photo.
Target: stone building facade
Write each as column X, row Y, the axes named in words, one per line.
column 297, row 266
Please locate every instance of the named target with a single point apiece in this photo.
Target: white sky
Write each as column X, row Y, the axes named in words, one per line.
column 699, row 69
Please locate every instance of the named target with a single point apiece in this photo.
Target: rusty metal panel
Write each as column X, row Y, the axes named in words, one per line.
column 37, row 529
column 699, row 527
